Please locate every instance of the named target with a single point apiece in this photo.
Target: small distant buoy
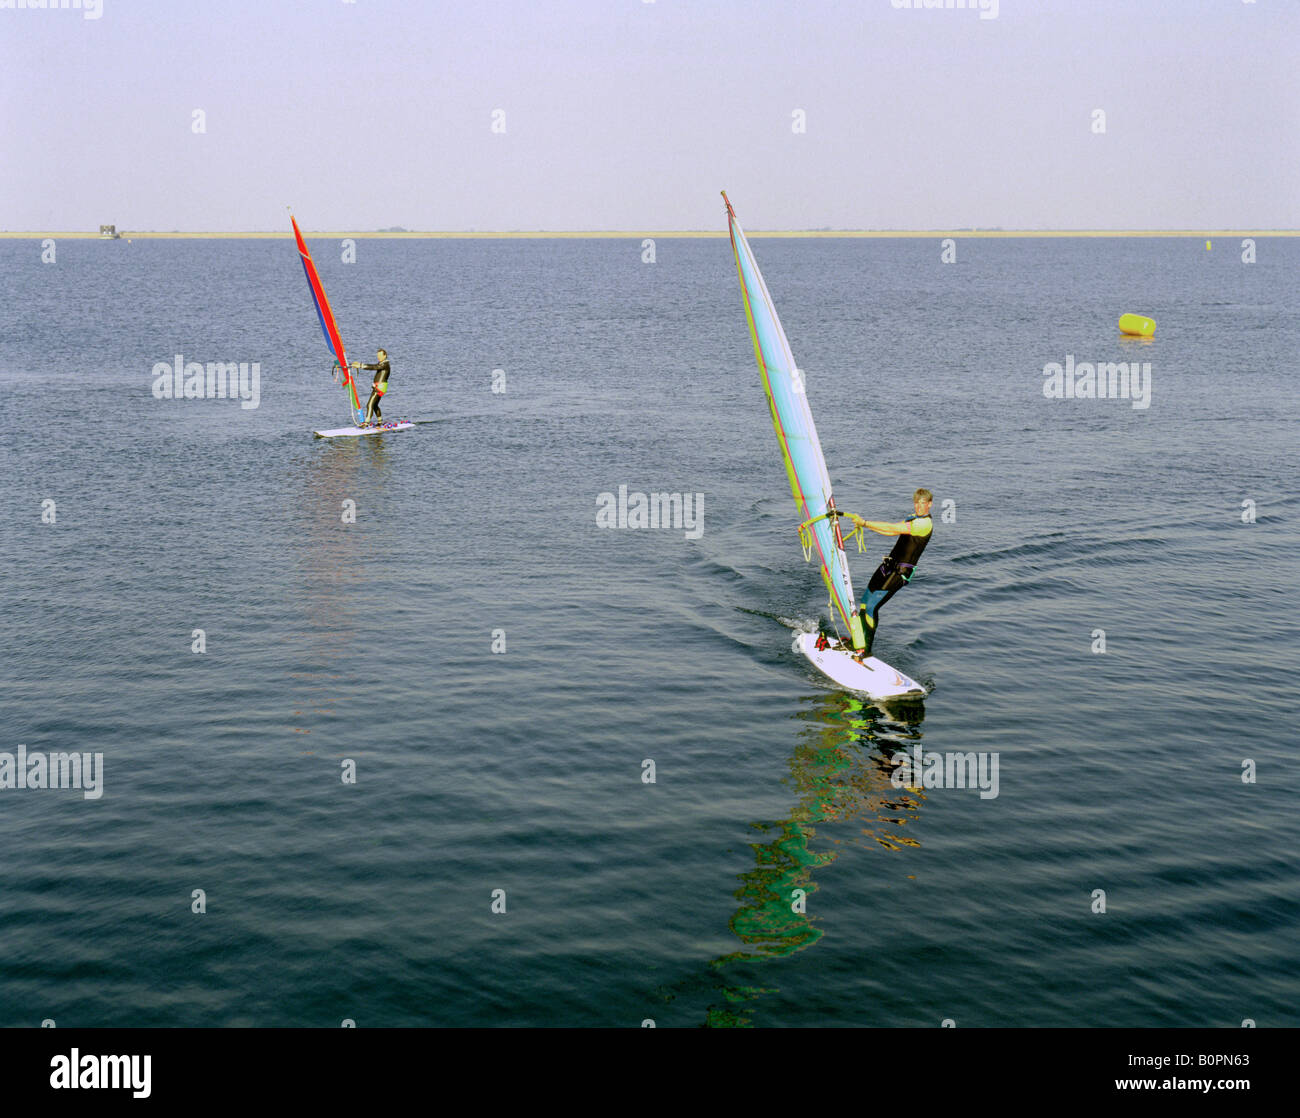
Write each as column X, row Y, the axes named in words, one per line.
column 1137, row 324
column 1207, row 246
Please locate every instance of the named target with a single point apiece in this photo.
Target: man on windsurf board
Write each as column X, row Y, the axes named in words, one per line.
column 895, row 571
column 381, row 369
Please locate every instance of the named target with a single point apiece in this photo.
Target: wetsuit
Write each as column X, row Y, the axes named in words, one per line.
column 381, row 378
column 895, row 572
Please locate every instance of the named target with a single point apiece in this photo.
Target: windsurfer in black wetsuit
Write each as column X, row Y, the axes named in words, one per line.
column 378, row 388
column 896, row 570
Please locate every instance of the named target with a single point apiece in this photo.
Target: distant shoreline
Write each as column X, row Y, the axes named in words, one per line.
column 634, row 235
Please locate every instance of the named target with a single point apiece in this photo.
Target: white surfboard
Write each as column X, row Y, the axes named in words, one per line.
column 872, row 676
column 335, row 432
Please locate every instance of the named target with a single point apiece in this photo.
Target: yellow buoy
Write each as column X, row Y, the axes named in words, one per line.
column 1207, row 246
column 1137, row 324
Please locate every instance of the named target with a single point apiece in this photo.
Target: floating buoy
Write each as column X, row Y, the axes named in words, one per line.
column 1137, row 324
column 1207, row 246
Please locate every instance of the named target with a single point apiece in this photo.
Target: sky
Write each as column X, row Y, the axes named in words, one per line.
column 632, row 115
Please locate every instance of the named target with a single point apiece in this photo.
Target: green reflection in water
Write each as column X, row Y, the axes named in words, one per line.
column 840, row 770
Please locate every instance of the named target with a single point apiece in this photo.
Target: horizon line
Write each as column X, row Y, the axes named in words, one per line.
column 543, row 234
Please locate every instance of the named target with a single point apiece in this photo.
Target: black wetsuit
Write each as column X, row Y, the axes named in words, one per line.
column 894, row 573
column 381, row 372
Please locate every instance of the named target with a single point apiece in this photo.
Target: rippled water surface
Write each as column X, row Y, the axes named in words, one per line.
column 522, row 770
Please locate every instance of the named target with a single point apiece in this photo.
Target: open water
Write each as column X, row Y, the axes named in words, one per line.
column 500, row 669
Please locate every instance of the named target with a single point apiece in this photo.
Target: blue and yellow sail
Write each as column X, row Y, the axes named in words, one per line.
column 819, row 526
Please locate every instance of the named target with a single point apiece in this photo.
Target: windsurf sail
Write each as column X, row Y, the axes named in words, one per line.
column 327, row 324
column 787, row 398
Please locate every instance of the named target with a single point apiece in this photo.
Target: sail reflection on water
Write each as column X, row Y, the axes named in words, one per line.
column 841, row 772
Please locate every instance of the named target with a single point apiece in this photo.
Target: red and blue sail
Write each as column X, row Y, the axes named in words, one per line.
column 805, row 464
column 326, row 316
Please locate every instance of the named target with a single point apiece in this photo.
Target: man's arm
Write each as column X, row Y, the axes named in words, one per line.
column 902, row 528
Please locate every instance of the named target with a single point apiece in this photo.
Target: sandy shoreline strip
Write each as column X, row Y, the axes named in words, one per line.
column 927, row 234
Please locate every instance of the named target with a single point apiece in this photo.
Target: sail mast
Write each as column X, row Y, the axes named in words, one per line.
column 326, row 316
column 805, row 465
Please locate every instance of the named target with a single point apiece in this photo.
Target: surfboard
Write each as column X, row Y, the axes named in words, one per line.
column 872, row 676
column 336, row 432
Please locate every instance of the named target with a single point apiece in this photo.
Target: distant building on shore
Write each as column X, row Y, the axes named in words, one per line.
column 109, row 231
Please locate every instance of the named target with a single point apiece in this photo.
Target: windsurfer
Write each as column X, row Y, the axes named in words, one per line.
column 377, row 388
column 895, row 571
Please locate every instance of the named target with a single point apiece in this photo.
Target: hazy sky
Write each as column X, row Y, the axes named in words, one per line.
column 623, row 114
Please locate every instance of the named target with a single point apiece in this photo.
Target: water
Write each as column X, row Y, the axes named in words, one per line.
column 521, row 770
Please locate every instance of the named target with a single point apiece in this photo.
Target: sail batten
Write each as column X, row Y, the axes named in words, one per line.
column 325, row 315
column 796, row 432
